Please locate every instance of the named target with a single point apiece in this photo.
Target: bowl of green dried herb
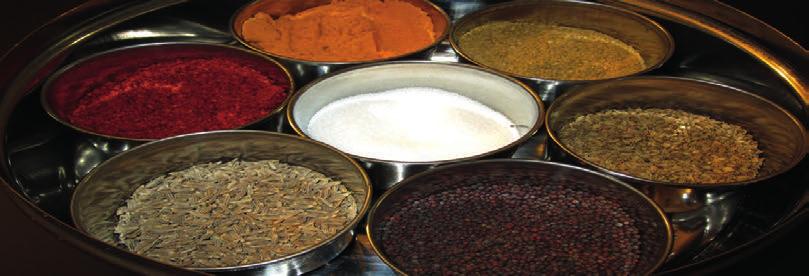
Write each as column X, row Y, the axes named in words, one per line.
column 676, row 132
column 555, row 44
column 225, row 201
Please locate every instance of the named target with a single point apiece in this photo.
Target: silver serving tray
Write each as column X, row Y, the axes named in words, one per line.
column 45, row 159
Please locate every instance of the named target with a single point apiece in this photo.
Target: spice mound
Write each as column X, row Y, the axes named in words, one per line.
column 664, row 145
column 234, row 213
column 552, row 52
column 177, row 96
column 343, row 30
column 411, row 124
column 511, row 229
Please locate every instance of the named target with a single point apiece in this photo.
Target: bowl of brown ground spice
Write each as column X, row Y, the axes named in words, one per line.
column 667, row 132
column 313, row 38
column 224, row 201
column 554, row 44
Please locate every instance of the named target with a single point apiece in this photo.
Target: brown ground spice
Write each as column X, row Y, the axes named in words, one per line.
column 551, row 52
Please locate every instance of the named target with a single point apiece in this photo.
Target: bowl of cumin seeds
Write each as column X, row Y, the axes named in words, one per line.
column 225, row 201
column 676, row 132
column 687, row 144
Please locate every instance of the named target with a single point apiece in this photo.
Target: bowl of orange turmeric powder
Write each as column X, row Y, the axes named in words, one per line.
column 315, row 37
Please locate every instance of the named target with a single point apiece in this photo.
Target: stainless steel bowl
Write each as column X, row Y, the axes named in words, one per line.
column 653, row 225
column 501, row 93
column 780, row 135
column 110, row 184
column 653, row 42
column 113, row 61
column 305, row 71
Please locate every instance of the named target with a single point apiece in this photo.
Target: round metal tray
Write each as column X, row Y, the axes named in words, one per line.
column 45, row 160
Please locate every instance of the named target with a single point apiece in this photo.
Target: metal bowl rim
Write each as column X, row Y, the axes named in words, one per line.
column 46, row 87
column 369, row 224
column 793, row 162
column 444, row 34
column 662, row 32
column 209, row 135
column 534, row 129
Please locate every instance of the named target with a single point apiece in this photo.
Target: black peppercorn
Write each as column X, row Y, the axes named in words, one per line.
column 511, row 229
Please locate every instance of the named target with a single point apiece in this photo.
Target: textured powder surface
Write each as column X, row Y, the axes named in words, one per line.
column 343, row 30
column 172, row 97
column 411, row 124
column 548, row 51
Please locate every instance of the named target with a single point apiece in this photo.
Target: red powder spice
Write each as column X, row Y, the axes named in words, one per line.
column 177, row 96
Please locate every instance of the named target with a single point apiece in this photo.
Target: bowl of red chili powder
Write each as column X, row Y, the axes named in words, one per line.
column 314, row 38
column 518, row 217
column 153, row 91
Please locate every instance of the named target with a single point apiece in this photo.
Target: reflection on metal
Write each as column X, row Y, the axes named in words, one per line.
column 534, row 148
column 158, row 29
column 743, row 22
column 697, row 227
column 458, row 8
column 443, row 52
column 45, row 170
column 140, row 34
column 87, row 158
column 780, row 66
column 91, row 151
column 358, row 259
column 548, row 90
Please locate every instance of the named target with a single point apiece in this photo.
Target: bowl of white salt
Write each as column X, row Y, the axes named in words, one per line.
column 401, row 118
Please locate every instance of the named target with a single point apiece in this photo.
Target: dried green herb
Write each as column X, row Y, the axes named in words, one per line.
column 233, row 213
column 551, row 52
column 664, row 145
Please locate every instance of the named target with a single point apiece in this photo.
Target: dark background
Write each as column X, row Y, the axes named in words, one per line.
column 26, row 249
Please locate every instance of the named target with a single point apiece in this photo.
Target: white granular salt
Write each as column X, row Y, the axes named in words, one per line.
column 412, row 124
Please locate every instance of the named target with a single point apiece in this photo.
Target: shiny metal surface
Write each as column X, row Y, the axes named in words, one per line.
column 28, row 63
column 305, row 71
column 696, row 228
column 503, row 94
column 108, row 186
column 742, row 22
column 785, row 70
column 110, row 63
column 43, row 156
column 656, row 240
column 651, row 40
column 92, row 151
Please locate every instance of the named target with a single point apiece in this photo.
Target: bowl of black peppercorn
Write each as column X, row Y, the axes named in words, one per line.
column 518, row 217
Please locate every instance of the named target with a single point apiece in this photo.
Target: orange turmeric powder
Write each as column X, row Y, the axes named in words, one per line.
column 343, row 30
